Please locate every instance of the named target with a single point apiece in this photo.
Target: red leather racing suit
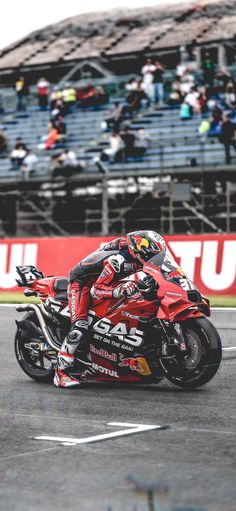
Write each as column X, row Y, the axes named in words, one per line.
column 96, row 274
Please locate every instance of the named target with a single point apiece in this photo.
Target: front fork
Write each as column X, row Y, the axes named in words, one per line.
column 173, row 341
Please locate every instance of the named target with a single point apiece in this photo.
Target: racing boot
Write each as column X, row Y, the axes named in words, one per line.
column 66, row 358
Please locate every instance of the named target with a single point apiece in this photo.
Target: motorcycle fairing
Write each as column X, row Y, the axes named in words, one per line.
column 123, row 347
column 174, row 290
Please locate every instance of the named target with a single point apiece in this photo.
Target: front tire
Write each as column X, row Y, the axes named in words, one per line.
column 203, row 360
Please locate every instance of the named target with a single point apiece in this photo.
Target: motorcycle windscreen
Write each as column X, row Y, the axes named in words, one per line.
column 164, row 261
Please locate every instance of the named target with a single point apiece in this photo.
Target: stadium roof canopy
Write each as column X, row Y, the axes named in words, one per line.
column 116, row 40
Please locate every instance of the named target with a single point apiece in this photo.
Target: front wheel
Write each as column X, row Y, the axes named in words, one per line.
column 203, row 357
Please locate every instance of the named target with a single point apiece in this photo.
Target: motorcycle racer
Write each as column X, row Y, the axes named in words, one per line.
column 96, row 276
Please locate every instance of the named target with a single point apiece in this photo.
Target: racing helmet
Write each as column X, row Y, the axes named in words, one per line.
column 143, row 245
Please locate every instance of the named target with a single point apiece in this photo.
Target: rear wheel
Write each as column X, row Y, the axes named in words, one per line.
column 32, row 357
column 203, row 355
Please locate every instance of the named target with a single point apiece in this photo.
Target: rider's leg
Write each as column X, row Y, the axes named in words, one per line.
column 79, row 296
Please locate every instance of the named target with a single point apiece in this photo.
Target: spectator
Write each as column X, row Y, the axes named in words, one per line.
column 43, row 92
column 230, row 94
column 101, row 96
column 185, row 112
column 57, row 112
column 114, row 153
column 192, row 99
column 175, row 94
column 69, row 98
column 180, row 70
column 224, row 77
column 129, row 139
column 158, row 82
column 208, row 68
column 17, row 155
column 57, row 119
column 113, row 118
column 29, row 163
column 66, row 164
column 19, row 142
column 3, row 141
column 142, row 142
column 215, row 122
column 22, row 92
column 217, row 115
column 131, row 85
column 187, row 82
column 204, row 128
column 147, row 71
column 55, row 97
column 85, row 95
column 135, row 98
column 141, row 96
column 227, row 137
column 202, row 100
column 49, row 141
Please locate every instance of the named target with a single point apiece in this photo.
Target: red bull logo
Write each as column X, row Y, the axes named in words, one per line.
column 138, row 364
column 141, row 242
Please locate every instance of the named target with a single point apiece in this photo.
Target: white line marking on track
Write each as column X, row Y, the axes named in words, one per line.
column 29, row 453
column 203, row 430
column 133, row 428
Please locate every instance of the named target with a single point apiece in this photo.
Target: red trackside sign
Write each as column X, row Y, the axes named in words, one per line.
column 209, row 260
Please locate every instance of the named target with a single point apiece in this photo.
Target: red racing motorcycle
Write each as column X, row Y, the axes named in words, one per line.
column 160, row 332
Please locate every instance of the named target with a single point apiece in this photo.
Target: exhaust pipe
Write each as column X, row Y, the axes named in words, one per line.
column 39, row 314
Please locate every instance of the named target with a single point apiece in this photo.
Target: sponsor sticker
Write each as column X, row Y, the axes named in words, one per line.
column 103, row 353
column 105, row 370
column 138, row 364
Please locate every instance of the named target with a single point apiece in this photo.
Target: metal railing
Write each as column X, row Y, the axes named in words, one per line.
column 99, row 203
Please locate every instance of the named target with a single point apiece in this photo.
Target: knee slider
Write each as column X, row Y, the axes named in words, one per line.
column 74, row 336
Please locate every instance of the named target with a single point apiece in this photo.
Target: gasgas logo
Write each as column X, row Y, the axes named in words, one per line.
column 104, row 326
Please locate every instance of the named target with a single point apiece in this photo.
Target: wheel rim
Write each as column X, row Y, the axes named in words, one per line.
column 39, row 363
column 195, row 350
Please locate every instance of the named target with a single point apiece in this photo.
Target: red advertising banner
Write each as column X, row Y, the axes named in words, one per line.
column 209, row 260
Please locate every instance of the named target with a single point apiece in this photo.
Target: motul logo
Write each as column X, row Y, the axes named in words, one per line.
column 17, row 254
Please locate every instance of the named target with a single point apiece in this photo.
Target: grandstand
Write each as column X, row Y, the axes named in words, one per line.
column 180, row 185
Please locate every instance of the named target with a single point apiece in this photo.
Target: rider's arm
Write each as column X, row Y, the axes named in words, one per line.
column 113, row 270
column 116, row 244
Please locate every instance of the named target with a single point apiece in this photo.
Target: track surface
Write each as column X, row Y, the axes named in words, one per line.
column 195, row 456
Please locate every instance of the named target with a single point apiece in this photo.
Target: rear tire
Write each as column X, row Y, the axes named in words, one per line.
column 27, row 363
column 204, row 358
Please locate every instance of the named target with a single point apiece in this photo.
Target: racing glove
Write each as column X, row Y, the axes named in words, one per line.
column 127, row 289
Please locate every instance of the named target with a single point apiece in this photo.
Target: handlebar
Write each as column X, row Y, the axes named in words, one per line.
column 146, row 291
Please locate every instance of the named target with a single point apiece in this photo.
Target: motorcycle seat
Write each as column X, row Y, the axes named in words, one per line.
column 60, row 285
column 62, row 296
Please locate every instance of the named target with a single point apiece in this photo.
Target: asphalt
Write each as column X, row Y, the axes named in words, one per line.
column 194, row 456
